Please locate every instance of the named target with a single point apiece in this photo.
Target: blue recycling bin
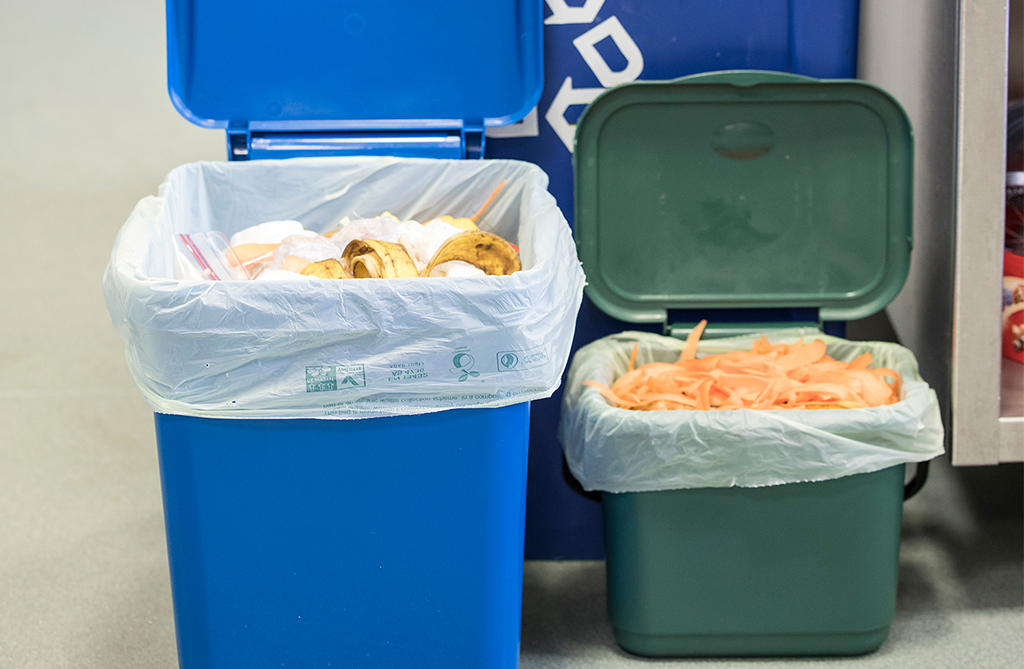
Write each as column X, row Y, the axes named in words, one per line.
column 384, row 542
column 394, row 541
column 594, row 45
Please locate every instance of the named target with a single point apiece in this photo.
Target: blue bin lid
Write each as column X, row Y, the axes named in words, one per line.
column 320, row 65
column 742, row 190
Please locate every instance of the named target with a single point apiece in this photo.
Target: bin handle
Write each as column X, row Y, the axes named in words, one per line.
column 915, row 484
column 574, row 485
column 911, row 488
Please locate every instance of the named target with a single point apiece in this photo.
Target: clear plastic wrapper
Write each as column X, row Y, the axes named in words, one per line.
column 313, row 249
column 271, row 232
column 206, row 256
column 423, row 241
column 381, row 228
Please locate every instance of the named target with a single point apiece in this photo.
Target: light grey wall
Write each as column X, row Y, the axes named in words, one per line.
column 83, row 97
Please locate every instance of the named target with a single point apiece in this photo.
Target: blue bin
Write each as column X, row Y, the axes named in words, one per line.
column 384, row 542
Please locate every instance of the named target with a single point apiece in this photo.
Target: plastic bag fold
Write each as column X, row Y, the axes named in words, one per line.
column 344, row 348
column 617, row 450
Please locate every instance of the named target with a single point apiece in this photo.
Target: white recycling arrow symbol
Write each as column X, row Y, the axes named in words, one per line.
column 566, row 97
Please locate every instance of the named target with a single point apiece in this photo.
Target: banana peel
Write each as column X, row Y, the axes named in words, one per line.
column 483, row 250
column 374, row 259
column 328, row 269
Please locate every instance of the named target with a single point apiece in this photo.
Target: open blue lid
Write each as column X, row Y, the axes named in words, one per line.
column 343, row 63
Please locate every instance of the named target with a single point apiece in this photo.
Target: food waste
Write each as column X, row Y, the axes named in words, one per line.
column 767, row 377
column 382, row 247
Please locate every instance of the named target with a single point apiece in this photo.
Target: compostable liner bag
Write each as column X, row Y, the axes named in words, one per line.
column 348, row 348
column 617, row 450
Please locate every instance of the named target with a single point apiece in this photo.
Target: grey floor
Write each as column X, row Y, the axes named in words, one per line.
column 86, row 130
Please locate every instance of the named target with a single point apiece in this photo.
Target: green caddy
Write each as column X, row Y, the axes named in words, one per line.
column 748, row 190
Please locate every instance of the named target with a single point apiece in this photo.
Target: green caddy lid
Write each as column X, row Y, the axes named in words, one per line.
column 744, row 189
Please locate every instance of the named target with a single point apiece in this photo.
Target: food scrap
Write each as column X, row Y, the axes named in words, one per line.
column 768, row 377
column 383, row 247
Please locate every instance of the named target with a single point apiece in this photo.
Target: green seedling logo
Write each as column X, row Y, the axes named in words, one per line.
column 464, row 366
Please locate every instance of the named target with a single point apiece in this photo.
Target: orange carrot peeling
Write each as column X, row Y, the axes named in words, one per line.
column 487, row 203
column 768, row 376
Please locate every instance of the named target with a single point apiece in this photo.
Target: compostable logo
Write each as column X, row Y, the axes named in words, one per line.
column 325, row 378
column 463, row 366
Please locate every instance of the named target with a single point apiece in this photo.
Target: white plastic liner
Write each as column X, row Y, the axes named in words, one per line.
column 618, row 450
column 344, row 348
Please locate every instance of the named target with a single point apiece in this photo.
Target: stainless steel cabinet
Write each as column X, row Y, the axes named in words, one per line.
column 946, row 62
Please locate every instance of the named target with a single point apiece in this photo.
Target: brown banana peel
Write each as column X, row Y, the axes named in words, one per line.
column 483, row 250
column 328, row 269
column 374, row 259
